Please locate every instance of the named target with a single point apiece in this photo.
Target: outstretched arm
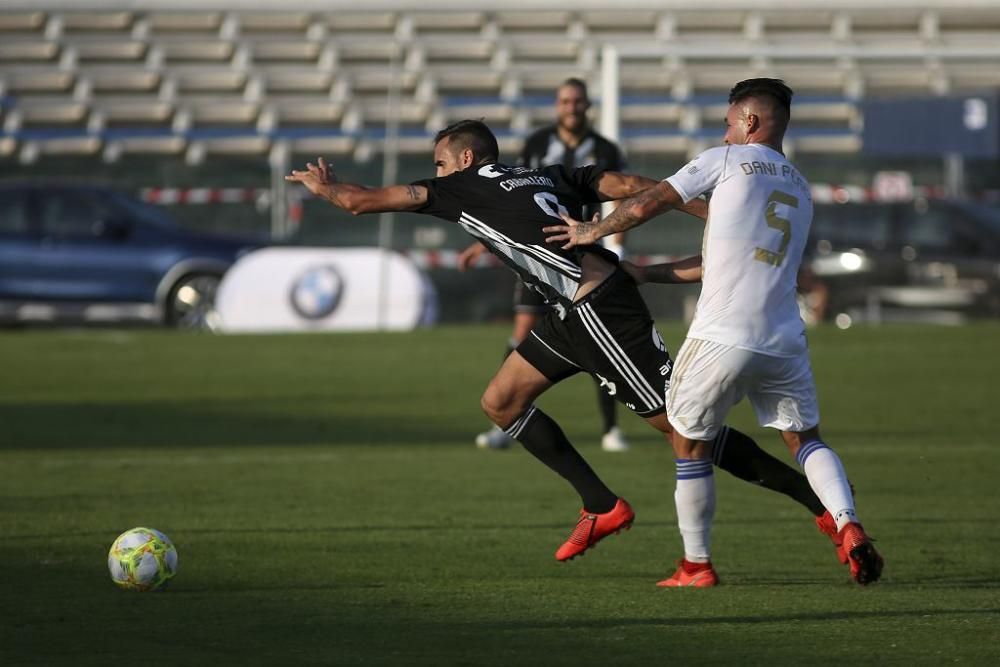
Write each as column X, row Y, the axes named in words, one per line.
column 633, row 211
column 687, row 270
column 614, row 185
column 356, row 199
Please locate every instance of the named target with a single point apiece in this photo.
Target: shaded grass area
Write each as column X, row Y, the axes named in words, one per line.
column 329, row 508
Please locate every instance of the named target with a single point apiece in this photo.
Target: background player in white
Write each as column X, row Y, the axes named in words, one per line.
column 747, row 338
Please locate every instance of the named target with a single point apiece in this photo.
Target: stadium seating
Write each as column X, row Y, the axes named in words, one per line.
column 229, row 80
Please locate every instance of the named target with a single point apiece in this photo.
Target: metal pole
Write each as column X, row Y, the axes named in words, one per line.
column 390, row 172
column 279, row 160
column 610, row 125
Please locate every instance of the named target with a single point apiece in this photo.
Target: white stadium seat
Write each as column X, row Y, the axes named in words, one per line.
column 21, row 24
column 128, row 112
column 222, row 113
column 14, row 51
column 292, row 112
column 200, row 80
column 466, row 50
column 93, row 50
column 285, row 51
column 511, row 22
column 49, row 113
column 96, row 22
column 296, row 81
column 38, row 80
column 361, row 23
column 445, row 25
column 121, row 79
column 188, row 51
column 188, row 24
column 274, row 23
column 454, row 79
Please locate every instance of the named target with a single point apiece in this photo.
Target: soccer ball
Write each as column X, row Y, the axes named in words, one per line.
column 142, row 559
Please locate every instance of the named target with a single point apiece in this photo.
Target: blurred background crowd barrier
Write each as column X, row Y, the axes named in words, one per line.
column 200, row 108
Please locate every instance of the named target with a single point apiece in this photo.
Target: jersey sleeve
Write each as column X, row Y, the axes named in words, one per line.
column 702, row 174
column 442, row 199
column 584, row 182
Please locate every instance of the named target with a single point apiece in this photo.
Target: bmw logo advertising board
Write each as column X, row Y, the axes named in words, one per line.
column 316, row 293
column 285, row 289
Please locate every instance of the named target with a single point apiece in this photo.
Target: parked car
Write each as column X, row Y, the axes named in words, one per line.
column 931, row 259
column 89, row 253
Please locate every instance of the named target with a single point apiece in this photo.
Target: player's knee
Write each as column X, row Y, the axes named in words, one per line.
column 662, row 424
column 493, row 404
column 502, row 407
column 795, row 439
column 686, row 448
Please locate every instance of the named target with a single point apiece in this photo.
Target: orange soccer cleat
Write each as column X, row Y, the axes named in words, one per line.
column 592, row 528
column 828, row 527
column 866, row 563
column 695, row 575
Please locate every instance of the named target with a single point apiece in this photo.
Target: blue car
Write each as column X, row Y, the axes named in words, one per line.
column 86, row 253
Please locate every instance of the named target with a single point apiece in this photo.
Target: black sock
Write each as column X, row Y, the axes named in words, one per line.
column 740, row 456
column 606, row 403
column 541, row 436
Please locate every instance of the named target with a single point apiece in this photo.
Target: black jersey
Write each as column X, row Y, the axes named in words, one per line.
column 506, row 208
column 544, row 147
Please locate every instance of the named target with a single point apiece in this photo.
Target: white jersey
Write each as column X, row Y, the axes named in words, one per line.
column 759, row 215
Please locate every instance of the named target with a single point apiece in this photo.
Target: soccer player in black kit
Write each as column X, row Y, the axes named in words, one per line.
column 599, row 323
column 571, row 142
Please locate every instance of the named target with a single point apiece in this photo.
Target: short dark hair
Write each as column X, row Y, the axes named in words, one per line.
column 472, row 134
column 776, row 89
column 578, row 83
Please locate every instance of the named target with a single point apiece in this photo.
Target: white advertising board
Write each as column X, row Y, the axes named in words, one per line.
column 324, row 289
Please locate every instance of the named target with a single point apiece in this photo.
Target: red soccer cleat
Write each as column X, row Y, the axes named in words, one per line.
column 592, row 528
column 828, row 527
column 866, row 563
column 694, row 575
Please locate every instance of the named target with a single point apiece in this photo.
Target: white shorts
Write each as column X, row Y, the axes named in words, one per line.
column 710, row 378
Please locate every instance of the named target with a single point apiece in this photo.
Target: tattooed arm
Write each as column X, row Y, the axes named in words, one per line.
column 357, row 199
column 630, row 213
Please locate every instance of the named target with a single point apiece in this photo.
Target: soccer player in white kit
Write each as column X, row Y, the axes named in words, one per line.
column 747, row 337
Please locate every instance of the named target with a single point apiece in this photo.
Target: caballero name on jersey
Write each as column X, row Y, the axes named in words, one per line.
column 512, row 183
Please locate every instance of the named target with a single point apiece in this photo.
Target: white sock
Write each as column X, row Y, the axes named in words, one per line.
column 695, row 500
column 827, row 478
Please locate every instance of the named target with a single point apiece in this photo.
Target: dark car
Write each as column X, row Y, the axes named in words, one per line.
column 90, row 253
column 928, row 259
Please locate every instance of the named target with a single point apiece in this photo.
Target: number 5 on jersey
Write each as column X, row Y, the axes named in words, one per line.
column 783, row 225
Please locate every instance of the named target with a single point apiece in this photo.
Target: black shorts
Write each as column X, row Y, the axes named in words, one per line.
column 527, row 300
column 609, row 334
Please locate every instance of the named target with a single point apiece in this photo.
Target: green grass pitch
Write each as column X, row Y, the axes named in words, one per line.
column 328, row 507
